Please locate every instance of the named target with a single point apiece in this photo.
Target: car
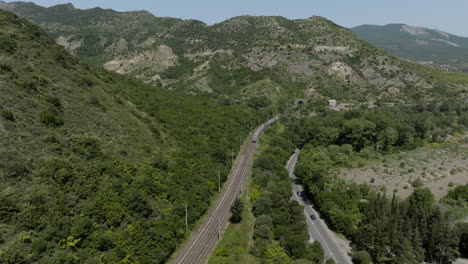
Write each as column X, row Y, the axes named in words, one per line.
column 312, row 217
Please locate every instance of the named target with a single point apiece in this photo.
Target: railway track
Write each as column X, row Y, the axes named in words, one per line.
column 203, row 240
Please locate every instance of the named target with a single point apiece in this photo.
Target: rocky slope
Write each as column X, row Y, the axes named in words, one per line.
column 428, row 46
column 241, row 59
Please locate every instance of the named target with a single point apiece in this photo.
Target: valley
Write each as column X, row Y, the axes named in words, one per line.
column 130, row 138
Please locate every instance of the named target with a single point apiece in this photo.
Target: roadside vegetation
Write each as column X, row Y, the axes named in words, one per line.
column 280, row 233
column 383, row 228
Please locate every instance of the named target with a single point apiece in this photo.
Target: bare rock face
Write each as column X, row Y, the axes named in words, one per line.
column 304, row 57
column 69, row 44
column 158, row 60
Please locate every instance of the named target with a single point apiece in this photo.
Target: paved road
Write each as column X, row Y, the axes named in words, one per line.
column 203, row 240
column 318, row 229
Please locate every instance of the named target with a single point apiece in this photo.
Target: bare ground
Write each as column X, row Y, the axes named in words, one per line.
column 438, row 167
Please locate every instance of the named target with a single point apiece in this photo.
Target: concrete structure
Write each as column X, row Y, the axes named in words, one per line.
column 331, row 102
column 300, row 101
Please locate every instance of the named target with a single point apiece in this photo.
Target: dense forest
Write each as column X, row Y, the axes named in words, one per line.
column 280, row 232
column 95, row 167
column 382, row 227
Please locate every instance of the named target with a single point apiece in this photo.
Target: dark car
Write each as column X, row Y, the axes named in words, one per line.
column 312, row 217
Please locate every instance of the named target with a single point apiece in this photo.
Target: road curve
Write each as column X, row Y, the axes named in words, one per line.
column 203, row 240
column 318, row 229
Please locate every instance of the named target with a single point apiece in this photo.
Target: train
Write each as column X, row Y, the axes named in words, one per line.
column 262, row 127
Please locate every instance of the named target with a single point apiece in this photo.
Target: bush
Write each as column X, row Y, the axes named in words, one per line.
column 417, row 183
column 7, row 210
column 5, row 68
column 7, row 44
column 362, row 257
column 50, row 118
column 236, row 211
column 54, row 101
column 7, row 115
column 88, row 148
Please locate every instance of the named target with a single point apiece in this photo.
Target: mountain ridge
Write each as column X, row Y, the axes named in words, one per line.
column 429, row 46
column 245, row 58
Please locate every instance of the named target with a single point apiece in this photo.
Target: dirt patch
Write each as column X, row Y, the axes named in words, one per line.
column 439, row 168
column 71, row 46
column 154, row 60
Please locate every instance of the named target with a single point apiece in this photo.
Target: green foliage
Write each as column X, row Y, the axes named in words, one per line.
column 397, row 42
column 258, row 102
column 7, row 115
column 7, row 44
column 8, row 210
column 236, row 211
column 417, row 183
column 109, row 182
column 461, row 230
column 459, row 192
column 280, row 223
column 50, row 118
column 362, row 257
column 389, row 230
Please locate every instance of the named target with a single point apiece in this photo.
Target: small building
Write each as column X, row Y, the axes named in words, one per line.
column 331, row 102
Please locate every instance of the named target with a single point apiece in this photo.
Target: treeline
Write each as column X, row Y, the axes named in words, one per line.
column 280, row 232
column 382, row 230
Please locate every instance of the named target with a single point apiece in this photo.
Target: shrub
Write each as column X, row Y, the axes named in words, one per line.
column 88, row 148
column 5, row 68
column 7, row 44
column 417, row 183
column 50, row 118
column 7, row 210
column 362, row 257
column 236, row 211
column 54, row 101
column 7, row 115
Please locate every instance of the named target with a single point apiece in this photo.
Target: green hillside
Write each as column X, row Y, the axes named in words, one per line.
column 432, row 47
column 97, row 168
column 258, row 60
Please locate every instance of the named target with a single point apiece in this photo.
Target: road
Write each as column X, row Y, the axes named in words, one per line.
column 318, row 229
column 203, row 240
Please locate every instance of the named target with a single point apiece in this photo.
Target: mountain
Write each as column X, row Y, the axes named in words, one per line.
column 96, row 167
column 262, row 61
column 428, row 46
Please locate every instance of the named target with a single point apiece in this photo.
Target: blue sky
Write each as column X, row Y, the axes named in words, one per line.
column 446, row 15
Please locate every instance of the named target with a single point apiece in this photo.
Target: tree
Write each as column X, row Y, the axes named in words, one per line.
column 236, row 211
column 362, row 257
column 315, row 252
column 462, row 232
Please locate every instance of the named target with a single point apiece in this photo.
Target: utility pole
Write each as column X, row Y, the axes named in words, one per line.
column 186, row 217
column 219, row 183
column 219, row 228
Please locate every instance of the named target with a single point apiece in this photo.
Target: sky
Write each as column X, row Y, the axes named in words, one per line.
column 446, row 15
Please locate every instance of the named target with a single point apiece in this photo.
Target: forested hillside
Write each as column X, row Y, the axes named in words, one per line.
column 265, row 61
column 97, row 168
column 428, row 46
